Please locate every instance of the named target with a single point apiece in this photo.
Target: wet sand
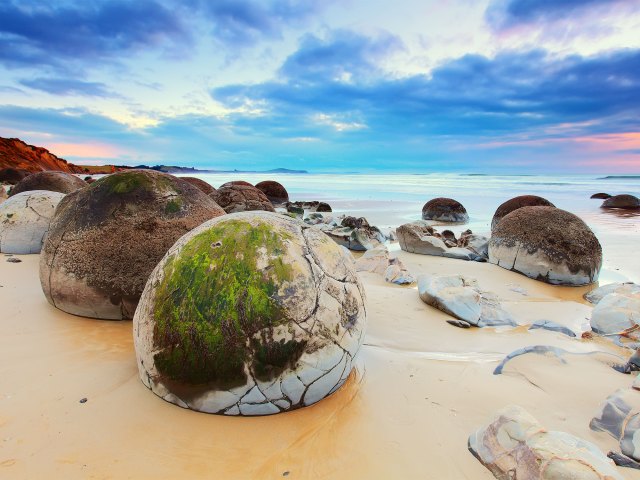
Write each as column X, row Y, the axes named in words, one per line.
column 421, row 388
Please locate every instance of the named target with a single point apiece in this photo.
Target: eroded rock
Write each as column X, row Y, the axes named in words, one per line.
column 356, row 234
column 619, row 416
column 616, row 313
column 443, row 209
column 597, row 294
column 518, row 202
column 53, row 181
column 236, row 197
column 420, row 237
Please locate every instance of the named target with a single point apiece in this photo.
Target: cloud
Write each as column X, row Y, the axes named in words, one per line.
column 65, row 86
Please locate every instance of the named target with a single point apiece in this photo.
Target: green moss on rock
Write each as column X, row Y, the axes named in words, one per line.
column 213, row 300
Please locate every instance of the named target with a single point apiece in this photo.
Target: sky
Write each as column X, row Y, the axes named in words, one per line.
column 482, row 86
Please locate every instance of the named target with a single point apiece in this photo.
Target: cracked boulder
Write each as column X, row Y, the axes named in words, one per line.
column 443, row 209
column 203, row 186
column 462, row 298
column 518, row 202
column 252, row 313
column 515, row 446
column 274, row 191
column 356, row 234
column 53, row 181
column 547, row 244
column 619, row 416
column 237, row 197
column 397, row 273
column 107, row 238
column 25, row 220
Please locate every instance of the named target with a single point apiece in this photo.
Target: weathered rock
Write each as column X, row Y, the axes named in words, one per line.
column 615, row 313
column 601, row 196
column 356, row 234
column 619, row 416
column 375, row 260
column 274, row 191
column 462, row 298
column 397, row 273
column 597, row 294
column 547, row 244
column 106, row 239
column 515, row 446
column 12, row 175
column 52, row 181
column 236, row 182
column 518, row 202
column 444, row 210
column 295, row 212
column 316, row 218
column 552, row 327
column 478, row 244
column 627, row 202
column 236, row 197
column 252, row 313
column 420, row 237
column 203, row 186
column 25, row 219
column 310, row 207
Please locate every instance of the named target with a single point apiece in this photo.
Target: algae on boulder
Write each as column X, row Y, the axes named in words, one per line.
column 252, row 313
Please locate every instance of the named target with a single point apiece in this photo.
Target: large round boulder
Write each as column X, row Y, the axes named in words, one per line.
column 548, row 244
column 518, row 202
column 106, row 239
column 253, row 313
column 241, row 198
column 444, row 210
column 274, row 191
column 628, row 202
column 203, row 186
column 12, row 175
column 25, row 219
column 53, row 181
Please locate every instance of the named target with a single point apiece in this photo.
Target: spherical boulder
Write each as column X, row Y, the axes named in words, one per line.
column 236, row 182
column 516, row 203
column 253, row 313
column 53, row 181
column 444, row 210
column 12, row 175
column 547, row 244
column 274, row 191
column 25, row 219
column 627, row 202
column 601, row 196
column 107, row 238
column 240, row 198
column 201, row 184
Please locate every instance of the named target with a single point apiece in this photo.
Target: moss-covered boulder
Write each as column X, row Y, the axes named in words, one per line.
column 518, row 202
column 236, row 197
column 274, row 191
column 547, row 244
column 252, row 313
column 25, row 219
column 53, row 181
column 106, row 239
column 201, row 184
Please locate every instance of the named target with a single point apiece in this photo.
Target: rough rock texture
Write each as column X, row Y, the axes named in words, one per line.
column 478, row 244
column 315, row 218
column 547, row 244
column 629, row 202
column 356, row 234
column 619, row 416
column 420, row 237
column 313, row 206
column 236, row 197
column 200, row 184
column 615, row 313
column 236, row 182
column 12, row 175
column 518, row 202
column 597, row 294
column 52, row 181
column 106, row 239
column 274, row 191
column 514, row 446
column 462, row 298
column 25, row 219
column 444, row 210
column 375, row 260
column 252, row 313
column 397, row 273
column 601, row 196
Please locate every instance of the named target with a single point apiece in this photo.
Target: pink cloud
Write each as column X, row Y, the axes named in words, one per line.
column 84, row 150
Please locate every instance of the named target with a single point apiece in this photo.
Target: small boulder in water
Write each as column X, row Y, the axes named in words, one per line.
column 600, row 196
column 443, row 209
column 627, row 202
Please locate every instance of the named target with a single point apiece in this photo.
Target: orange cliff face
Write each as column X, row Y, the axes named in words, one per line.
column 14, row 153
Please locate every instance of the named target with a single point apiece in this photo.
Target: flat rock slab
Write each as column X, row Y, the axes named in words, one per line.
column 619, row 416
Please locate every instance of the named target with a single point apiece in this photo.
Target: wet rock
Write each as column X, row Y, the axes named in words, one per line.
column 623, row 460
column 397, row 273
column 515, row 203
column 515, row 446
column 106, row 239
column 375, row 260
column 251, row 313
column 311, row 207
column 274, row 191
column 200, row 184
column 25, row 220
column 627, row 202
column 616, row 313
column 619, row 416
column 52, row 181
column 547, row 244
column 462, row 298
column 601, row 196
column 444, row 210
column 236, row 197
column 356, row 234
column 14, row 260
column 597, row 294
column 420, row 237
column 552, row 327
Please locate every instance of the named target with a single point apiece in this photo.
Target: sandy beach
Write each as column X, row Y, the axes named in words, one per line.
column 421, row 388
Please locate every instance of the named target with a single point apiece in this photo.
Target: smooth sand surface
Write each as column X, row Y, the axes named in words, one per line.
column 421, row 388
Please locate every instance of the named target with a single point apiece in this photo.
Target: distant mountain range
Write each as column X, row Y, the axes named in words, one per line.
column 16, row 154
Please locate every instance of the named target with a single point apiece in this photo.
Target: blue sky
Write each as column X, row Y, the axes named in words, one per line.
column 493, row 86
